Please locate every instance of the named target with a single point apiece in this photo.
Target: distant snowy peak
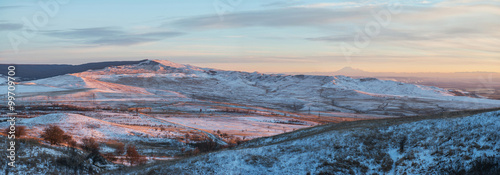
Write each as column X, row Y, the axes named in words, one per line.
column 350, row 71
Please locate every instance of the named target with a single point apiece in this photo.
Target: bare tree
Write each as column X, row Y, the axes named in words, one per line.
column 90, row 144
column 133, row 156
column 120, row 149
column 54, row 135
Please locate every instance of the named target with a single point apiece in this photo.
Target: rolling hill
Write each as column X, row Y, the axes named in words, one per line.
column 168, row 82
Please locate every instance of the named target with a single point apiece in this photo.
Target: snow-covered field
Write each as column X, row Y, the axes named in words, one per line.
column 107, row 126
column 114, row 127
column 80, row 126
column 436, row 146
column 175, row 130
column 246, row 126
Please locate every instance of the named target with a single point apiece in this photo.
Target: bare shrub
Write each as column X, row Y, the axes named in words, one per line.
column 73, row 161
column 385, row 161
column 93, row 126
column 133, row 157
column 18, row 132
column 264, row 161
column 90, row 144
column 206, row 146
column 343, row 166
column 486, row 165
column 120, row 149
column 402, row 143
column 54, row 135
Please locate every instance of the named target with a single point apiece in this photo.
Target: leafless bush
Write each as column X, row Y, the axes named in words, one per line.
column 402, row 143
column 343, row 166
column 90, row 144
column 93, row 126
column 55, row 135
column 264, row 161
column 206, row 146
column 120, row 149
column 134, row 157
column 18, row 131
column 385, row 161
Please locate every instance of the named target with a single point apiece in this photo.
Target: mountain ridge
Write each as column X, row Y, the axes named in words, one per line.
column 39, row 71
column 169, row 81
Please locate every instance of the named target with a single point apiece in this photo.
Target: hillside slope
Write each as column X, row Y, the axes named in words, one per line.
column 435, row 146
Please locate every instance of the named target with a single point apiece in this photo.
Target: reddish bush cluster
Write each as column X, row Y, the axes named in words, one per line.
column 55, row 135
column 133, row 157
column 18, row 132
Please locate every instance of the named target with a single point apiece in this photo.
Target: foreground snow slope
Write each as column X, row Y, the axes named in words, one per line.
column 433, row 146
column 33, row 158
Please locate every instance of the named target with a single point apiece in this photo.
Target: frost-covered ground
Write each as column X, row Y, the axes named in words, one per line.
column 149, row 135
column 433, row 146
column 243, row 126
column 80, row 126
column 159, row 134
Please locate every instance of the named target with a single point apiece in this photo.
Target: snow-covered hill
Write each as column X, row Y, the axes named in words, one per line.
column 165, row 109
column 160, row 80
column 392, row 88
column 36, row 158
column 435, row 146
column 78, row 125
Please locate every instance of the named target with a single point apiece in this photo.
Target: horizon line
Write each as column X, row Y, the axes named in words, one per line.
column 267, row 72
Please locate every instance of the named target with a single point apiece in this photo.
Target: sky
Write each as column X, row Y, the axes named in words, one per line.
column 258, row 35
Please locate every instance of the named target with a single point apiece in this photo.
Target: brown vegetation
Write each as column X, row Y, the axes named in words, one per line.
column 18, row 132
column 55, row 135
column 90, row 144
column 133, row 157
